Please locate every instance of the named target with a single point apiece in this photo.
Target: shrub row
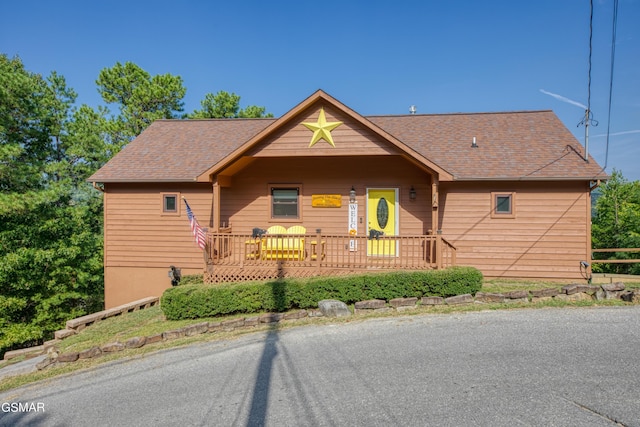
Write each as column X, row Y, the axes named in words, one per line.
column 197, row 301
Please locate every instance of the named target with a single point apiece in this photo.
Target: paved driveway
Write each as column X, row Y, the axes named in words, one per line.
column 563, row 367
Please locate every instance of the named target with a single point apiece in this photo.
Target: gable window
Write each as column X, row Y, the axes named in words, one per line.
column 170, row 203
column 285, row 202
column 503, row 205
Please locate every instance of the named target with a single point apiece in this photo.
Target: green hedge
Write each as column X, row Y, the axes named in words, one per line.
column 196, row 301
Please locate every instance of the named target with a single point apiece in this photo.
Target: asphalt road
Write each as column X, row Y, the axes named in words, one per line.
column 545, row 367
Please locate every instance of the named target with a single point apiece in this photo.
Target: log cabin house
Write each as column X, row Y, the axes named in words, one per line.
column 337, row 193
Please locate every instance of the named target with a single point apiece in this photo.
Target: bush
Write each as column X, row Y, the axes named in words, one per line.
column 192, row 301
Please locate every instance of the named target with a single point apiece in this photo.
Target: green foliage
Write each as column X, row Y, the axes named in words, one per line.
column 226, row 105
column 196, row 300
column 50, row 222
column 616, row 224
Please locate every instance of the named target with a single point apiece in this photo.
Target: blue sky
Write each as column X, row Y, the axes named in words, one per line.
column 377, row 57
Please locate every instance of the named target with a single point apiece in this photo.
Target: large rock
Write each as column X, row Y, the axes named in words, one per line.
column 135, row 342
column 432, row 300
column 334, row 308
column 90, row 353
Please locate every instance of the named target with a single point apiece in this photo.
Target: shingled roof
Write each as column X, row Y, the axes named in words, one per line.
column 528, row 145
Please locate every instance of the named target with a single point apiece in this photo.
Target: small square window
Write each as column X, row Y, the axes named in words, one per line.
column 284, row 203
column 170, row 204
column 503, row 205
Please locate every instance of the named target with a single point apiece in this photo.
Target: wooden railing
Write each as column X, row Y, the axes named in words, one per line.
column 319, row 253
column 615, row 261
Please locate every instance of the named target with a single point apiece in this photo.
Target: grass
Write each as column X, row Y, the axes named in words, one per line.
column 151, row 321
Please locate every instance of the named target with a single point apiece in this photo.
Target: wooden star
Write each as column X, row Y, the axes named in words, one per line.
column 322, row 129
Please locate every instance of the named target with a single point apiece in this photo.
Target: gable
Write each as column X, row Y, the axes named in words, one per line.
column 349, row 137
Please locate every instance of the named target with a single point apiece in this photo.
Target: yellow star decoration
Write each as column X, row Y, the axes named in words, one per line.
column 322, row 129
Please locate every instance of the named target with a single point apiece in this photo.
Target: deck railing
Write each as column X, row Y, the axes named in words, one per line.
column 318, row 254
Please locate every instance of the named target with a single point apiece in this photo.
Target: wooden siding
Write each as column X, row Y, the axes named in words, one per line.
column 245, row 204
column 138, row 234
column 548, row 237
column 350, row 138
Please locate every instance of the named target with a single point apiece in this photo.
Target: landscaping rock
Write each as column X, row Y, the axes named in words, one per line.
column 613, row 287
column 298, row 314
column 570, row 289
column 489, row 297
column 90, row 353
column 135, row 342
column 519, row 295
column 370, row 304
column 231, row 324
column 403, row 302
column 47, row 361
column 68, row 357
column 112, row 347
column 252, row 321
column 459, row 299
column 334, row 308
column 215, row 326
column 197, row 329
column 64, row 333
column 154, row 338
column 432, row 300
column 271, row 317
column 546, row 292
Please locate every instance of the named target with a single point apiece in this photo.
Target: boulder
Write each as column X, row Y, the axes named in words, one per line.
column 334, row 308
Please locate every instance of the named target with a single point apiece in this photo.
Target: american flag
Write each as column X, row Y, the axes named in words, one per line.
column 198, row 233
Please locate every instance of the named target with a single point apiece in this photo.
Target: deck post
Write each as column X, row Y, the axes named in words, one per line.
column 216, row 206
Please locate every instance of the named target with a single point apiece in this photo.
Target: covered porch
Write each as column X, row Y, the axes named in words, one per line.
column 232, row 257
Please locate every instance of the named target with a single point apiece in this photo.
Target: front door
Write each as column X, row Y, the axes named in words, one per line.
column 382, row 216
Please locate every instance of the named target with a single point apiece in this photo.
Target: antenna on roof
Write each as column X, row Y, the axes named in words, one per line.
column 412, row 109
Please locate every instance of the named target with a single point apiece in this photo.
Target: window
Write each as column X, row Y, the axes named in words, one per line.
column 503, row 205
column 284, row 202
column 170, row 204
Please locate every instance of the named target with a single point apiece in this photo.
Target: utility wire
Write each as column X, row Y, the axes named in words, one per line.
column 613, row 57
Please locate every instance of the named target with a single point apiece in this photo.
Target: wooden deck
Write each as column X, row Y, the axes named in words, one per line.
column 241, row 257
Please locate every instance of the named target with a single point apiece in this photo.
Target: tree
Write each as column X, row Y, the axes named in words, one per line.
column 616, row 223
column 226, row 105
column 141, row 99
column 50, row 224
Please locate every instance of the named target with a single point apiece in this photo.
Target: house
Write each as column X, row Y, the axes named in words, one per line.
column 508, row 193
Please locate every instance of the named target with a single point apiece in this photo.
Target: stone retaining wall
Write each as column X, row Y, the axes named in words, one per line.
column 567, row 293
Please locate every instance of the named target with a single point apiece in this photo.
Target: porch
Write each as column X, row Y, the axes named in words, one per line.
column 232, row 257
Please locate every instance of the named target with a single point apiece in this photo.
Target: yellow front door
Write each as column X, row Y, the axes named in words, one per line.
column 381, row 217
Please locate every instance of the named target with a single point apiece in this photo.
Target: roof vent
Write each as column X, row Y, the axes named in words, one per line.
column 474, row 144
column 412, row 109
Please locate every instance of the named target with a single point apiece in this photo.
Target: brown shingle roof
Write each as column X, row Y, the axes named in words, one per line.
column 178, row 150
column 512, row 145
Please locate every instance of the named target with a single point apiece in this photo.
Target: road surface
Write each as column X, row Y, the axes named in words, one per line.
column 544, row 367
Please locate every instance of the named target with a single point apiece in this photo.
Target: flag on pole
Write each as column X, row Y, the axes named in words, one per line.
column 198, row 233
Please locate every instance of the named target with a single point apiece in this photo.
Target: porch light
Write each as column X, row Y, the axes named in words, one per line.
column 412, row 193
column 352, row 195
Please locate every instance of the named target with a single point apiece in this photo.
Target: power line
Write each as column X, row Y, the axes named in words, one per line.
column 613, row 56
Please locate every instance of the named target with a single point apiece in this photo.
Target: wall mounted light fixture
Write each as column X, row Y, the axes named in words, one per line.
column 352, row 195
column 412, row 193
